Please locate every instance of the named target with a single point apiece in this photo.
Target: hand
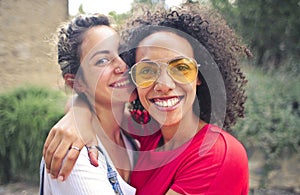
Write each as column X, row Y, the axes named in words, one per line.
column 71, row 130
column 56, row 148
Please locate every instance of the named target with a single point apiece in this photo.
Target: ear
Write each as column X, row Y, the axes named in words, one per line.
column 198, row 81
column 74, row 83
column 69, row 80
column 79, row 85
column 133, row 96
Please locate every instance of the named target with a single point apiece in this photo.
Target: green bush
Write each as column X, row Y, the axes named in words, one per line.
column 27, row 115
column 272, row 115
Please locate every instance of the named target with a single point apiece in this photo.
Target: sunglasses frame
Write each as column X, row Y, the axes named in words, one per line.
column 167, row 63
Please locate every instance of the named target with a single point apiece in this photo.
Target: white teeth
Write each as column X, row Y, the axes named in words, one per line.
column 166, row 103
column 122, row 84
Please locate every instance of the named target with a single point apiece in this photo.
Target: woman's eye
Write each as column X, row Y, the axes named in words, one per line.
column 102, row 61
column 181, row 67
column 147, row 71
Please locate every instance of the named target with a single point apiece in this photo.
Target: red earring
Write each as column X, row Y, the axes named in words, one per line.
column 138, row 112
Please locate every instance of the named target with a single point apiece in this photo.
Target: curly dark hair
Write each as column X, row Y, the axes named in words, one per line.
column 70, row 37
column 212, row 34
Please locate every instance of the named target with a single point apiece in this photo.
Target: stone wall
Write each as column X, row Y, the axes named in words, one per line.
column 27, row 55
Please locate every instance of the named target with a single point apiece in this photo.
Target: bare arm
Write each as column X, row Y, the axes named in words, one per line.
column 74, row 129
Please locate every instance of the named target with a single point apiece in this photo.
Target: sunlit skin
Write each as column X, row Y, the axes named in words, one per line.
column 103, row 82
column 99, row 60
column 179, row 123
column 107, row 88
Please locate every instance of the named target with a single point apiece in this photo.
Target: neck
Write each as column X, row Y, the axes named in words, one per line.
column 108, row 131
column 177, row 134
column 109, row 120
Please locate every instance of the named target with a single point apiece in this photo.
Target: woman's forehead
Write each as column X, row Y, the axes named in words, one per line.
column 164, row 44
column 100, row 38
column 103, row 31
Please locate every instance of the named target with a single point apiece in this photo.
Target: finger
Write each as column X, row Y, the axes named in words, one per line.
column 92, row 151
column 51, row 150
column 48, row 141
column 90, row 142
column 70, row 161
column 58, row 157
column 93, row 155
column 64, row 138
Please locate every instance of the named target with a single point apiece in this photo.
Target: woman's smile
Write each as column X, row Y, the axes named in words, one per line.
column 122, row 83
column 166, row 103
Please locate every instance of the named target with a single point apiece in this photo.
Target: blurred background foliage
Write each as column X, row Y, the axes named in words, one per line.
column 27, row 114
column 272, row 119
column 270, row 27
column 271, row 30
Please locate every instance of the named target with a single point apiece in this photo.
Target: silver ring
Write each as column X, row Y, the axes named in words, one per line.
column 75, row 148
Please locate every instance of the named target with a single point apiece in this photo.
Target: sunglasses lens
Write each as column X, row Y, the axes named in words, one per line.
column 183, row 70
column 145, row 74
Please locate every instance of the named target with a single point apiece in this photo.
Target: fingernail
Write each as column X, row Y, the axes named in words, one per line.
column 94, row 161
column 52, row 176
column 47, row 170
column 60, row 178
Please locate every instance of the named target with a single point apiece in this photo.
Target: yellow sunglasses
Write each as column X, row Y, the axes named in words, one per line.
column 182, row 70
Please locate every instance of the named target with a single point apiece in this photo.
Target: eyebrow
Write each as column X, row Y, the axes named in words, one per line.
column 146, row 59
column 100, row 52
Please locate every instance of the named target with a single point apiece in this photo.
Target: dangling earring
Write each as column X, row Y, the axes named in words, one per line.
column 138, row 112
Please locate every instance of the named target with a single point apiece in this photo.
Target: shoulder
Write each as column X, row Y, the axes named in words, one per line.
column 216, row 161
column 232, row 147
column 214, row 147
column 83, row 179
column 214, row 138
column 234, row 164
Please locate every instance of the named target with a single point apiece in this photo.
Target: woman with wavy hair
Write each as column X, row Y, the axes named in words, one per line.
column 88, row 57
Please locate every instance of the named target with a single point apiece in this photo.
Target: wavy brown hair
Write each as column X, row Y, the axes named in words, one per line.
column 207, row 31
column 70, row 37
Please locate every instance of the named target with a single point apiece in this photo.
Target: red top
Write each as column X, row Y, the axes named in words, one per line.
column 213, row 162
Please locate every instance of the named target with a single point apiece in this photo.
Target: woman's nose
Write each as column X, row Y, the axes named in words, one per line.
column 120, row 66
column 164, row 83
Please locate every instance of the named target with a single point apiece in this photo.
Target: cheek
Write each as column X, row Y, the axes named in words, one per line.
column 191, row 90
column 95, row 80
column 99, row 75
column 133, row 95
column 142, row 93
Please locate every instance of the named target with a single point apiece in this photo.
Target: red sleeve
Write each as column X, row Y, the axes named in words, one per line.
column 235, row 169
column 197, row 172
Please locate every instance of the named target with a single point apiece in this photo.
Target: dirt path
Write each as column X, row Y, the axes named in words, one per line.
column 19, row 189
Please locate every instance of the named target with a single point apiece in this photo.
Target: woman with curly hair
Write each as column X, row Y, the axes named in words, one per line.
column 187, row 77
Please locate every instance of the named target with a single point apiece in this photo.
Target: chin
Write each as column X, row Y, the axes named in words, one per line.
column 166, row 121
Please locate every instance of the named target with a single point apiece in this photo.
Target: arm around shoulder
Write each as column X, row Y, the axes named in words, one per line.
column 84, row 179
